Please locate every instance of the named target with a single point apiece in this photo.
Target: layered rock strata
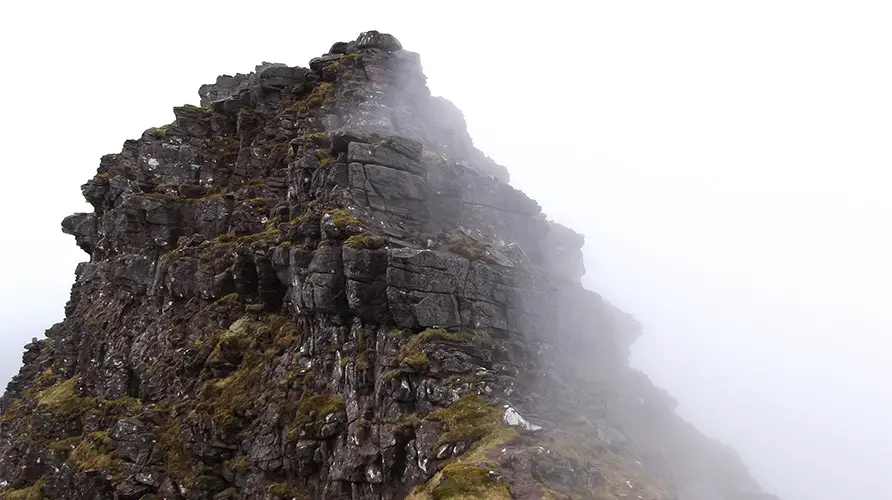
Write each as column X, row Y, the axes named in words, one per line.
column 314, row 286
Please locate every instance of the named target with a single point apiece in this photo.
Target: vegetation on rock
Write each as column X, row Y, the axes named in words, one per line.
column 365, row 241
column 342, row 218
column 33, row 492
column 461, row 481
column 467, row 420
column 261, row 315
column 465, row 246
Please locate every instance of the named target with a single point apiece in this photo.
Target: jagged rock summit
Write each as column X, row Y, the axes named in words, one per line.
column 313, row 286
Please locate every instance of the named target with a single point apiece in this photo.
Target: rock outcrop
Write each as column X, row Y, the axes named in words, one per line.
column 314, row 286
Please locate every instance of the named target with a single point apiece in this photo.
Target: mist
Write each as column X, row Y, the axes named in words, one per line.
column 726, row 163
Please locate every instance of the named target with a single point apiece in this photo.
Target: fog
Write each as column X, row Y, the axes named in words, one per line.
column 728, row 164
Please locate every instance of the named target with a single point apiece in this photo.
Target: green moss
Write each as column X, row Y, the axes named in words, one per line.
column 318, row 137
column 62, row 401
column 465, row 246
column 225, row 238
column 193, row 108
column 219, row 247
column 64, row 446
column 410, row 421
column 291, row 433
column 432, row 334
column 278, row 490
column 417, row 360
column 94, row 453
column 228, row 400
column 178, row 464
column 188, row 193
column 239, row 463
column 467, row 477
column 342, row 218
column 412, row 353
column 12, row 412
column 258, row 203
column 351, row 57
column 228, row 300
column 160, row 132
column 317, row 407
column 318, row 96
column 323, row 90
column 326, row 159
column 228, row 494
column 46, row 378
column 273, row 322
column 213, row 195
column 33, row 492
column 60, row 394
column 236, row 395
column 310, row 409
column 345, row 360
column 269, row 235
column 468, row 419
column 285, row 335
column 361, row 344
column 468, row 481
column 234, row 342
column 365, row 241
column 125, row 404
column 165, row 196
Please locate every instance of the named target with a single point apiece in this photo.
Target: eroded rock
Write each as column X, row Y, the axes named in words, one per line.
column 314, row 286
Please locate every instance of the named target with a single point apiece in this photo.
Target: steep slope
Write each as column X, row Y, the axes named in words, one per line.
column 314, row 286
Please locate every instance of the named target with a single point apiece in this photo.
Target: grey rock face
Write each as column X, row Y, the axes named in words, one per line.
column 376, row 40
column 313, row 286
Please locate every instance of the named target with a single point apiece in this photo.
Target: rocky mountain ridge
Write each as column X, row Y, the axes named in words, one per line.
column 313, row 285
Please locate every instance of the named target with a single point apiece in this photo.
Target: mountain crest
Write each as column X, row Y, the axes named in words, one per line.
column 314, row 286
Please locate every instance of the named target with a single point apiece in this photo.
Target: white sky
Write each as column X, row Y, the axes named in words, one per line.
column 728, row 163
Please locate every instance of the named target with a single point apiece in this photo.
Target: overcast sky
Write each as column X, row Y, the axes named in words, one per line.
column 728, row 162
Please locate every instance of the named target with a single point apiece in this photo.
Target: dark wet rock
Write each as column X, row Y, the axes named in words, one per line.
column 83, row 228
column 314, row 286
column 402, row 155
column 338, row 48
column 132, row 440
column 376, row 40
